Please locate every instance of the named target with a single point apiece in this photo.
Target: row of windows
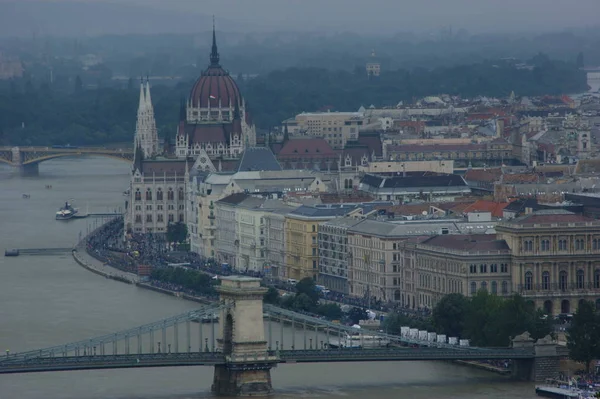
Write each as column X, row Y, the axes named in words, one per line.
column 562, row 244
column 563, row 280
column 159, row 218
column 493, row 287
column 483, row 268
column 159, row 194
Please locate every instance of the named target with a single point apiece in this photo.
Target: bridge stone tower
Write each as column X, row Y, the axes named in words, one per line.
column 545, row 363
column 241, row 338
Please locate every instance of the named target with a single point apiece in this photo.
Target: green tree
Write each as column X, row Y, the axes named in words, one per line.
column 272, row 296
column 308, row 287
column 332, row 311
column 449, row 315
column 177, row 232
column 479, row 325
column 583, row 337
column 393, row 322
column 304, row 303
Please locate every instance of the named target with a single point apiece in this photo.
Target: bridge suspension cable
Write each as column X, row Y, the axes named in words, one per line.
column 113, row 338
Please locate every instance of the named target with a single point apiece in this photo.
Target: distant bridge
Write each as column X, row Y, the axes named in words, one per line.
column 243, row 346
column 28, row 158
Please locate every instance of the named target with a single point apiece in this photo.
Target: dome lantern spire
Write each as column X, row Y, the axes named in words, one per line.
column 214, row 54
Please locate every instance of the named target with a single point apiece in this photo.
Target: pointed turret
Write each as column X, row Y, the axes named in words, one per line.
column 142, row 103
column 214, row 54
column 148, row 98
column 286, row 134
column 146, row 136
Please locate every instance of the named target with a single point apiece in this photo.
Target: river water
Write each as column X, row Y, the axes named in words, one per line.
column 50, row 300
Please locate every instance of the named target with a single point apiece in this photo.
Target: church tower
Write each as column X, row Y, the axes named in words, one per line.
column 146, row 136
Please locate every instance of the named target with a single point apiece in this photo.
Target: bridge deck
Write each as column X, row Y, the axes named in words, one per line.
column 11, row 365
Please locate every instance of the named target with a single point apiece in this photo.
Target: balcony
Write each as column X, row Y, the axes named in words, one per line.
column 211, row 227
column 559, row 290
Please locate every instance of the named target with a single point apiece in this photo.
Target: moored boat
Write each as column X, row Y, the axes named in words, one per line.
column 66, row 212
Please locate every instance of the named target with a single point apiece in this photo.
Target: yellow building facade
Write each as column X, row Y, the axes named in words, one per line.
column 301, row 240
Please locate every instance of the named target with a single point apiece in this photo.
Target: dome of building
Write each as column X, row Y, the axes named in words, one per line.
column 215, row 85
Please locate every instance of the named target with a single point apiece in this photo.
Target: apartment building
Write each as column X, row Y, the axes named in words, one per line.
column 337, row 128
column 243, row 231
column 459, row 263
column 301, row 239
column 555, row 258
column 333, row 253
column 275, row 231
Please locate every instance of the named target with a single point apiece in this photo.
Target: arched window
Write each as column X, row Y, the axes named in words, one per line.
column 505, row 287
column 138, row 195
column 484, row 285
column 545, row 245
column 528, row 281
column 473, row 287
column 170, row 194
column 494, row 287
column 546, row 280
column 159, row 194
column 148, row 194
column 563, row 280
column 181, row 196
column 580, row 279
column 597, row 279
column 181, row 218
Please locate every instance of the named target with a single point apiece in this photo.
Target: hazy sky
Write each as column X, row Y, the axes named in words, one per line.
column 372, row 16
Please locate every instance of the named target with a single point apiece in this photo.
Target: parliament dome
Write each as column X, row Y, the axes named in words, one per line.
column 215, row 85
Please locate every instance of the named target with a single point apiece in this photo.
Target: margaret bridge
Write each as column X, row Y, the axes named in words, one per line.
column 27, row 159
column 243, row 339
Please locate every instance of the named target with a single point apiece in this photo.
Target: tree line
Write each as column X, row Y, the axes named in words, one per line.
column 36, row 112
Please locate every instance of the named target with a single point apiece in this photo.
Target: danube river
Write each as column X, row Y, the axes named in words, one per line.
column 50, row 300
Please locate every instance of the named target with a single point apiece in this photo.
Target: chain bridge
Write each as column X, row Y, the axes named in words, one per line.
column 243, row 340
column 29, row 158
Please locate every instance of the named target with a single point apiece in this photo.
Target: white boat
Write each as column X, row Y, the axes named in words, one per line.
column 66, row 212
column 358, row 340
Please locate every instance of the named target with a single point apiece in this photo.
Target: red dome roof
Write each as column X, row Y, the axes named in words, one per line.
column 213, row 85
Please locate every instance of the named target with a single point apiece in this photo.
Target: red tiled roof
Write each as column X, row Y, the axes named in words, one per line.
column 313, row 147
column 213, row 132
column 545, row 218
column 488, row 175
column 520, row 178
column 436, row 147
column 159, row 168
column 468, row 242
column 495, row 208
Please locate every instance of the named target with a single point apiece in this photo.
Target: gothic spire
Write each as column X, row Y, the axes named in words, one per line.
column 142, row 96
column 148, row 99
column 214, row 54
column 286, row 134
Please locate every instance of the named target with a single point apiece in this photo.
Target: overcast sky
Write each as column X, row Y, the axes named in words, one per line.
column 373, row 16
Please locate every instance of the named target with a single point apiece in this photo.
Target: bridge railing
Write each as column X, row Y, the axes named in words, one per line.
column 332, row 329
